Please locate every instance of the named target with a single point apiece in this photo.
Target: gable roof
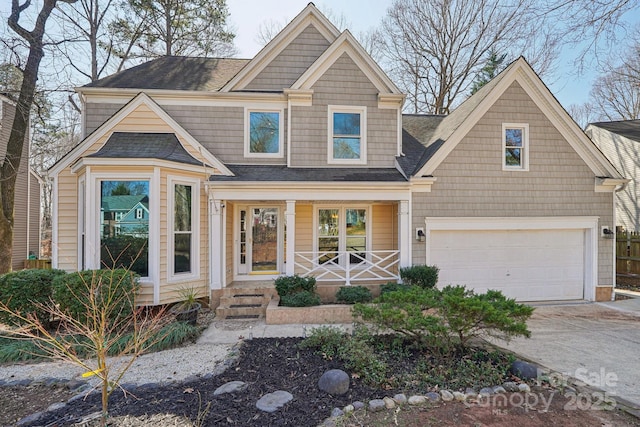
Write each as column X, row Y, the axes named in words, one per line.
column 104, row 128
column 453, row 128
column 175, row 73
column 124, row 202
column 145, row 145
column 629, row 129
column 310, row 15
column 348, row 44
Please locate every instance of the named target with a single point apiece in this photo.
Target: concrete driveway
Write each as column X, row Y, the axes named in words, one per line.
column 596, row 343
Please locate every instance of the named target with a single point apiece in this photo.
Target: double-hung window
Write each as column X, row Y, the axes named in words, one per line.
column 263, row 133
column 515, row 147
column 347, row 135
column 183, row 239
column 342, row 231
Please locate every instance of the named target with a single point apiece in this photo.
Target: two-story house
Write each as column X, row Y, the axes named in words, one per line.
column 26, row 209
column 300, row 161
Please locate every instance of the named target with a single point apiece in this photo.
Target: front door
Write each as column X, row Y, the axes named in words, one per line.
column 259, row 248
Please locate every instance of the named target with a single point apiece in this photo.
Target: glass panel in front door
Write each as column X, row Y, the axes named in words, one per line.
column 264, row 245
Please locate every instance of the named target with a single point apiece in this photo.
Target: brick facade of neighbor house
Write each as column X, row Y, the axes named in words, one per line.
column 300, row 161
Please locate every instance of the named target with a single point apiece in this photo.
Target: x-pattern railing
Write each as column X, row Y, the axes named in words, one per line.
column 348, row 266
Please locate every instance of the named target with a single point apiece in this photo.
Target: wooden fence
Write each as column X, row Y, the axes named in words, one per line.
column 628, row 253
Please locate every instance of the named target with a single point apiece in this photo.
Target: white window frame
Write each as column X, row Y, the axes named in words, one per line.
column 92, row 246
column 194, row 274
column 349, row 109
column 524, row 153
column 247, row 133
column 342, row 227
column 139, row 213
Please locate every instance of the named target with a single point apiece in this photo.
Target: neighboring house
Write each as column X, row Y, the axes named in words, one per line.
column 299, row 161
column 124, row 215
column 620, row 142
column 26, row 210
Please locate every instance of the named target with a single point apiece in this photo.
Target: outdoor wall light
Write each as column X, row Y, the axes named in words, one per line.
column 607, row 232
column 420, row 234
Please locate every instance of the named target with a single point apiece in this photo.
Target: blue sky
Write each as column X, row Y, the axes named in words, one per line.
column 247, row 15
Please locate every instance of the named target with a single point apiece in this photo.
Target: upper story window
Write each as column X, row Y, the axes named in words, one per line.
column 347, row 135
column 263, row 133
column 515, row 147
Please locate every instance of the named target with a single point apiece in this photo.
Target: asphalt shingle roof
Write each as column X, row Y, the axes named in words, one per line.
column 175, row 73
column 144, row 145
column 629, row 129
column 250, row 173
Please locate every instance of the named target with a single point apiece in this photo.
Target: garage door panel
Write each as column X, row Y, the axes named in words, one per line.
column 529, row 265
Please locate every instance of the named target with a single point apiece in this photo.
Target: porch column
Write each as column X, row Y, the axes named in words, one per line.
column 404, row 234
column 215, row 243
column 291, row 237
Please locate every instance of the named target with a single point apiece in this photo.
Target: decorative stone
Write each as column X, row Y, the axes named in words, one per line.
column 56, row 406
column 417, row 400
column 511, row 386
column 432, row 396
column 376, row 405
column 499, row 389
column 389, row 403
column 470, row 391
column 446, row 395
column 460, row 397
column 357, row 405
column 348, row 409
column 271, row 402
column 31, row 419
column 334, row 381
column 524, row 388
column 486, row 391
column 400, row 399
column 524, row 370
column 337, row 412
column 230, row 387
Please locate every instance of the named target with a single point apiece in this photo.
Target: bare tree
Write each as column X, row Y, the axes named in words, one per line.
column 617, row 94
column 434, row 48
column 152, row 28
column 11, row 161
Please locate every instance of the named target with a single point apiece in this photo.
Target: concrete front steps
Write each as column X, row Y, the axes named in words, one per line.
column 244, row 303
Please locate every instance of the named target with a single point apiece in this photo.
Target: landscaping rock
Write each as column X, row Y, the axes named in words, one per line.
column 499, row 389
column 524, row 370
column 230, row 387
column 460, row 397
column 524, row 388
column 271, row 402
column 56, row 406
column 348, row 409
column 376, row 405
column 30, row 420
column 400, row 399
column 446, row 395
column 432, row 396
column 337, row 412
column 486, row 391
column 334, row 382
column 511, row 386
column 389, row 403
column 417, row 400
column 357, row 405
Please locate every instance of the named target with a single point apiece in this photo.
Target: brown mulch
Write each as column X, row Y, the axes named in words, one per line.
column 274, row 364
column 630, row 282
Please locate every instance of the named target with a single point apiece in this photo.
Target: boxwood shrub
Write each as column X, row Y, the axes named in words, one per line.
column 27, row 292
column 425, row 276
column 117, row 289
column 353, row 295
column 300, row 299
column 289, row 285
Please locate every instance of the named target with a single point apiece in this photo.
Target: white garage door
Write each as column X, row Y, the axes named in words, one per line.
column 528, row 265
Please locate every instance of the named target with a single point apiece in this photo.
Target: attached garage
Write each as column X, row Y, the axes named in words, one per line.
column 529, row 259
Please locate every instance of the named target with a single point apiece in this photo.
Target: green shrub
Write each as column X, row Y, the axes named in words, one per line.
column 353, row 295
column 117, row 290
column 425, row 276
column 300, row 299
column 443, row 320
column 328, row 340
column 393, row 287
column 27, row 292
column 288, row 285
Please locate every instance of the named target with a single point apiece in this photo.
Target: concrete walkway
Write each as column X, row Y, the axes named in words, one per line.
column 596, row 343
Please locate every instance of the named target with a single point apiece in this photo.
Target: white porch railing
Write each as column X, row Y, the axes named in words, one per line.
column 347, row 266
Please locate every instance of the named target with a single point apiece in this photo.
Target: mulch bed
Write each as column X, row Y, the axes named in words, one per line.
column 266, row 365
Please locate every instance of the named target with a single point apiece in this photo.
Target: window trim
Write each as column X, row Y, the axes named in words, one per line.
column 524, row 160
column 247, row 133
column 194, row 274
column 362, row 110
column 342, row 227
